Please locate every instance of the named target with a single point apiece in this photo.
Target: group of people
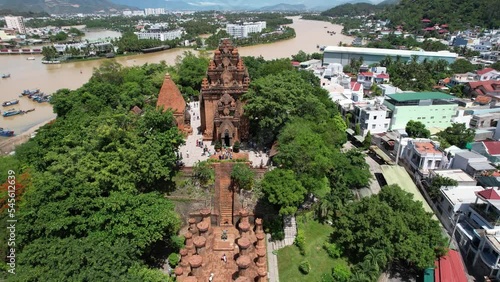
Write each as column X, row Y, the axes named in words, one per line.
column 226, row 154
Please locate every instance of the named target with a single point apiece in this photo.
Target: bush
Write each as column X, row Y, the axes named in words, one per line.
column 341, row 273
column 274, row 227
column 300, row 242
column 305, row 267
column 218, row 145
column 236, row 147
column 177, row 242
column 332, row 249
column 173, row 260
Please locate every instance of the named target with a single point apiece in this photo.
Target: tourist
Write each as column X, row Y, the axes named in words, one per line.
column 187, row 154
column 224, row 258
column 211, row 277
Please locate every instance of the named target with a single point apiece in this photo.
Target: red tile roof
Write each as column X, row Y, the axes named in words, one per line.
column 383, row 75
column 483, row 71
column 444, row 25
column 355, row 86
column 443, row 31
column 170, row 97
column 483, row 99
column 450, row 268
column 492, row 147
column 426, row 20
column 485, row 86
column 368, row 73
column 489, row 194
column 426, row 148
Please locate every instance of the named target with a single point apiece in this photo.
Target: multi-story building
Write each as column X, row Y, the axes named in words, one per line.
column 154, row 11
column 433, row 109
column 242, row 30
column 16, row 22
column 167, row 35
column 463, row 78
column 372, row 117
column 422, row 155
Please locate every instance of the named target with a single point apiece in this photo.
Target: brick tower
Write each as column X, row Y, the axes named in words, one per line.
column 221, row 106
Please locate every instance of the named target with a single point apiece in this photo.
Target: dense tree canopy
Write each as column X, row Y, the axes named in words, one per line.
column 98, row 173
column 416, row 129
column 457, row 134
column 393, row 223
column 281, row 188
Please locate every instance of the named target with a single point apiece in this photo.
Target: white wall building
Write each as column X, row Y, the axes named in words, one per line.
column 154, row 11
column 421, row 155
column 168, row 35
column 15, row 23
column 237, row 30
column 372, row 117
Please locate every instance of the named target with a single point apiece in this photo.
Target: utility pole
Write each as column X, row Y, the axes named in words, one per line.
column 457, row 214
column 399, row 148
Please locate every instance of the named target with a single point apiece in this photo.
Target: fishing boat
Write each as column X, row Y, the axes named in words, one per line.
column 6, row 133
column 10, row 103
column 6, row 75
column 28, row 92
column 30, row 58
column 29, row 111
column 12, row 112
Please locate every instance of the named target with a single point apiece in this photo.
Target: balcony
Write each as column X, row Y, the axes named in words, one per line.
column 490, row 215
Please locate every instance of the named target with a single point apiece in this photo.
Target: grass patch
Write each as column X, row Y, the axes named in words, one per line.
column 289, row 258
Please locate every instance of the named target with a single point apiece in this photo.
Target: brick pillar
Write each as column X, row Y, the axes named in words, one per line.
column 189, row 243
column 205, row 213
column 262, row 272
column 261, row 244
column 243, row 263
column 261, row 258
column 199, row 243
column 244, row 228
column 192, row 226
column 195, row 262
column 244, row 245
column 203, row 228
column 242, row 279
column 184, row 260
column 178, row 271
column 189, row 279
column 258, row 226
column 243, row 215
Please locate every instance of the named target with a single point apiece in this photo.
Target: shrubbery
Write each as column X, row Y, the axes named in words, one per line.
column 305, row 267
column 332, row 250
column 173, row 259
column 300, row 242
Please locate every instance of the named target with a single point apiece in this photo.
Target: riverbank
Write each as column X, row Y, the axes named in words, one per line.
column 9, row 144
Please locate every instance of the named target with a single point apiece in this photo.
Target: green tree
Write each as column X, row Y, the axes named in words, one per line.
column 204, row 173
column 301, row 56
column 462, row 66
column 49, row 52
column 191, row 70
column 281, row 188
column 367, row 142
column 243, row 176
column 457, row 134
column 416, row 129
column 435, row 186
column 496, row 66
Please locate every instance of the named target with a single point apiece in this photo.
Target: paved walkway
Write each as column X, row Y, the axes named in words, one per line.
column 272, row 246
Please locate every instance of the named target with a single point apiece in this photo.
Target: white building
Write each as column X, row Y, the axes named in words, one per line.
column 237, row 30
column 154, row 11
column 421, row 155
column 372, row 117
column 16, row 22
column 168, row 35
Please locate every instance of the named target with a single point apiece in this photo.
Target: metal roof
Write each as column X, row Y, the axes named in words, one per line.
column 412, row 96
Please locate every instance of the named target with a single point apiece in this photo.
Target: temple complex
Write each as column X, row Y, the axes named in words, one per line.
column 170, row 98
column 224, row 242
column 220, row 99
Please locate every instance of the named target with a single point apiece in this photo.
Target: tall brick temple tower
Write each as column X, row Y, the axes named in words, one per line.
column 221, row 106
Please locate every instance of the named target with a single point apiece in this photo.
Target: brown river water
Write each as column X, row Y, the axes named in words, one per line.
column 31, row 74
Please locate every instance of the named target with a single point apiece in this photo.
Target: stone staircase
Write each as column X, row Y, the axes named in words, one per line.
column 225, row 195
column 290, row 232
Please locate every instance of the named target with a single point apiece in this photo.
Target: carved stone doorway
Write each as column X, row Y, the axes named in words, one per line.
column 227, row 138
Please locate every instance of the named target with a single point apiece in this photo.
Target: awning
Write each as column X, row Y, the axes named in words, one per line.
column 359, row 138
column 386, row 139
column 350, row 131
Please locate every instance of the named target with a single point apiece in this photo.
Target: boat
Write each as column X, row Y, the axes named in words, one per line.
column 30, row 58
column 41, row 98
column 6, row 133
column 51, row 62
column 6, row 75
column 28, row 92
column 10, row 103
column 29, row 111
column 12, row 112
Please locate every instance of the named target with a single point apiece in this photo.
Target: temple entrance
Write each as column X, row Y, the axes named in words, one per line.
column 227, row 140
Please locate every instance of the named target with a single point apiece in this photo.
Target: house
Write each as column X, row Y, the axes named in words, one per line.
column 488, row 74
column 372, row 117
column 450, row 268
column 463, row 78
column 490, row 88
column 454, row 199
column 421, row 155
column 484, row 120
column 433, row 109
column 462, row 178
column 488, row 149
column 472, row 163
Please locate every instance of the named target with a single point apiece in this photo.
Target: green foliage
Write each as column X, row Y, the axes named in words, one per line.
column 436, row 183
column 300, row 241
column 236, row 146
column 392, row 222
column 189, row 72
column 173, row 259
column 416, row 129
column 332, row 249
column 218, row 145
column 341, row 273
column 274, row 226
column 49, row 52
column 305, row 267
column 496, row 66
column 367, row 142
column 462, row 66
column 129, row 42
column 204, row 173
column 456, row 134
column 281, row 188
column 243, row 176
column 352, row 10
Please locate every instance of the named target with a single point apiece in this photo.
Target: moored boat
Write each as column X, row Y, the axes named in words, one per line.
column 12, row 112
column 6, row 75
column 28, row 92
column 30, row 58
column 10, row 103
column 6, row 133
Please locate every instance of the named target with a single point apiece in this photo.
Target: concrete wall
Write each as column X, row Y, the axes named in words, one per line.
column 431, row 116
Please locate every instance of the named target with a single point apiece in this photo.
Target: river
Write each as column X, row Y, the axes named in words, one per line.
column 31, row 74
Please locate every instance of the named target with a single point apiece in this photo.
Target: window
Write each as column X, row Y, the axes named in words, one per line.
column 432, row 117
column 386, row 125
column 429, row 163
column 375, row 117
column 373, row 126
column 437, row 164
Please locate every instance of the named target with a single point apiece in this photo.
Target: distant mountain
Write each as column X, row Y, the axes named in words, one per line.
column 60, row 6
column 356, row 9
column 284, row 8
column 389, row 2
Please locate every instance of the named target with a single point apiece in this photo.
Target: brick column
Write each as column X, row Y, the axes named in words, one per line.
column 185, row 260
column 261, row 244
column 244, row 228
column 192, row 226
column 243, row 215
column 189, row 243
column 205, row 213
column 243, row 263
column 203, row 228
column 261, row 258
column 242, row 279
column 258, row 226
column 199, row 243
column 244, row 245
column 195, row 262
column 262, row 272
column 178, row 271
column 189, row 279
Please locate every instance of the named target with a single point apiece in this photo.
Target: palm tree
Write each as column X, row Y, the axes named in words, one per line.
column 377, row 257
column 359, row 276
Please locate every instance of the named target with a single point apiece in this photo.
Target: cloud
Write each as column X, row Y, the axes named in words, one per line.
column 203, row 3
